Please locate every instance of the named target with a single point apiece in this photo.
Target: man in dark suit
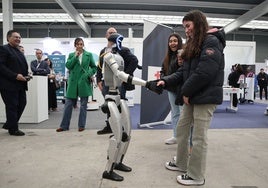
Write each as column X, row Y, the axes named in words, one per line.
column 130, row 65
column 13, row 82
column 39, row 66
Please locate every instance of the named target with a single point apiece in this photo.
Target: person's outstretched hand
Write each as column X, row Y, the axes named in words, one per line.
column 152, row 85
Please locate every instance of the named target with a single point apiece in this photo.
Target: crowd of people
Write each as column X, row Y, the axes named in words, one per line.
column 192, row 73
column 239, row 78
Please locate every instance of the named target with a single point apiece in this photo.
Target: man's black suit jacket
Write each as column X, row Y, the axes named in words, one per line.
column 12, row 63
column 42, row 69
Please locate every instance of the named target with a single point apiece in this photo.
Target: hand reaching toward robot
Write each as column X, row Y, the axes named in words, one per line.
column 152, row 85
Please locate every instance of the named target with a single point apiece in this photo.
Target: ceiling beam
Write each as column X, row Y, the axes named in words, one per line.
column 173, row 3
column 254, row 13
column 69, row 8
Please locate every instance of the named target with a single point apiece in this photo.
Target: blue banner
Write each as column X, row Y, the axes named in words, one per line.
column 154, row 108
column 58, row 63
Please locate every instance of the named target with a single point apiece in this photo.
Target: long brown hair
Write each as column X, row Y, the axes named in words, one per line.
column 169, row 51
column 193, row 45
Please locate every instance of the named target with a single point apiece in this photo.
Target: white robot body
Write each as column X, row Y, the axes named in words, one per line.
column 109, row 77
column 119, row 114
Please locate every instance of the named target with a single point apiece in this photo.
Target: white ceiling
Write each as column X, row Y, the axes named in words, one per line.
column 231, row 14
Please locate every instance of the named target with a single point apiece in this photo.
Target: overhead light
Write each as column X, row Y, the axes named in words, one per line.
column 125, row 18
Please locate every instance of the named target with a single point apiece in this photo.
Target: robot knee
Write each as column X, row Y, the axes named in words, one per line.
column 125, row 137
column 105, row 108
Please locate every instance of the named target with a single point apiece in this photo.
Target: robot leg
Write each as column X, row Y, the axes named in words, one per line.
column 114, row 143
column 112, row 155
column 126, row 123
column 125, row 117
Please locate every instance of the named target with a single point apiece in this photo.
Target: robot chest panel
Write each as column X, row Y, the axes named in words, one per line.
column 120, row 62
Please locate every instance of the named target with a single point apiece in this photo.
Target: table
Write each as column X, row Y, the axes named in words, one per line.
column 230, row 91
column 36, row 109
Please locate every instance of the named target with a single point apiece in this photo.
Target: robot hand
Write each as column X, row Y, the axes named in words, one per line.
column 152, row 85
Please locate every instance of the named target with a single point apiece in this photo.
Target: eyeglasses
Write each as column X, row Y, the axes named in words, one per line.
column 111, row 33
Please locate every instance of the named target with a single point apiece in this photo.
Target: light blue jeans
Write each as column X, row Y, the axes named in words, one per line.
column 175, row 111
column 200, row 117
column 68, row 109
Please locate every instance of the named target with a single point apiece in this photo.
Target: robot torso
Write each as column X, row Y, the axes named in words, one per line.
column 109, row 77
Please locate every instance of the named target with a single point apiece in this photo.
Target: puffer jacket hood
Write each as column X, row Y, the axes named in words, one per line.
column 220, row 34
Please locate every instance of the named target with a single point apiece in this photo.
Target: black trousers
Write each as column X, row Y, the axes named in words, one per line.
column 263, row 88
column 52, row 97
column 15, row 102
column 235, row 100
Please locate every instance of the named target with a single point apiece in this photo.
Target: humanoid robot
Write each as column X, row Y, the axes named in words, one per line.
column 117, row 109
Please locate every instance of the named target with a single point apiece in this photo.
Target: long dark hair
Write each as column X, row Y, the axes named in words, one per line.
column 50, row 65
column 170, row 52
column 193, row 45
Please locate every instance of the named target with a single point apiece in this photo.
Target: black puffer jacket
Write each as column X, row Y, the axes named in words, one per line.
column 173, row 67
column 202, row 78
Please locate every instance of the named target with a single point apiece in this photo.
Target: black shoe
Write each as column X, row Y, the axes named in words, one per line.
column 16, row 133
column 122, row 167
column 112, row 176
column 5, row 127
column 105, row 130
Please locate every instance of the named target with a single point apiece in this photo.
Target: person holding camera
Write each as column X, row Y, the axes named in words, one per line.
column 13, row 81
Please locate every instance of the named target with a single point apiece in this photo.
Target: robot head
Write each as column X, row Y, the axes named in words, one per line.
column 117, row 39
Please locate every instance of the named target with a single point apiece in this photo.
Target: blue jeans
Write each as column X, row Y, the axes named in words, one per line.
column 68, row 109
column 175, row 111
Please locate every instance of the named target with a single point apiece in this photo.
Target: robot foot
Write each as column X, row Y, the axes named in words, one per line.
column 112, row 176
column 120, row 166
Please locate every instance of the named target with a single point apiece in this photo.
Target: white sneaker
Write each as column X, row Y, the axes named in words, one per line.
column 171, row 141
column 184, row 179
column 234, row 108
column 172, row 166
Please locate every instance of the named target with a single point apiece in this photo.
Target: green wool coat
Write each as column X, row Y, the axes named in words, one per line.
column 78, row 83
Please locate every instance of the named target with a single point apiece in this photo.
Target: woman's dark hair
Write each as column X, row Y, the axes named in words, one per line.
column 239, row 68
column 170, row 52
column 50, row 65
column 78, row 40
column 193, row 44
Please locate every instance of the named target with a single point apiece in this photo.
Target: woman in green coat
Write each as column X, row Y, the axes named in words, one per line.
column 82, row 67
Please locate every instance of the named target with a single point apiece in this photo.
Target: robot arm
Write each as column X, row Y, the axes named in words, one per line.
column 109, row 58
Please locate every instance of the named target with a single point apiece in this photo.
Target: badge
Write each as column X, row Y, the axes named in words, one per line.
column 210, row 51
